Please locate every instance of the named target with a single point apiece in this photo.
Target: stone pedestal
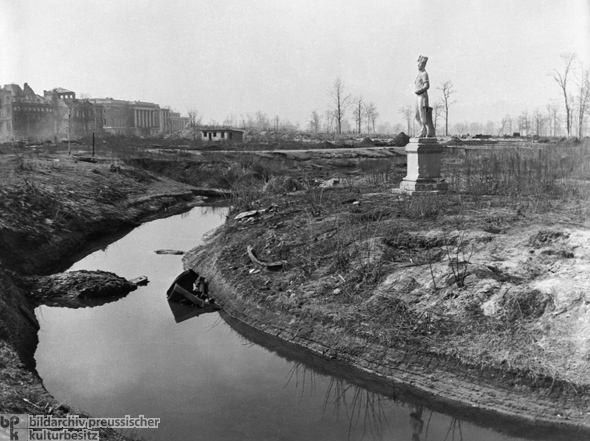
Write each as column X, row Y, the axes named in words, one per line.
column 423, row 175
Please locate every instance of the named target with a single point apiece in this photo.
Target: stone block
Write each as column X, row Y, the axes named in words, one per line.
column 423, row 169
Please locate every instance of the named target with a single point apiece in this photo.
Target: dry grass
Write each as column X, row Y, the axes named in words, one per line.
column 340, row 252
column 532, row 177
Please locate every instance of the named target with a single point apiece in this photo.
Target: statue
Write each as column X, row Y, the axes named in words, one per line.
column 416, row 422
column 423, row 111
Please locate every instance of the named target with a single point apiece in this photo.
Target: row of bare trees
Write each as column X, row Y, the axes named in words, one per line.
column 365, row 113
column 574, row 72
column 573, row 80
column 543, row 122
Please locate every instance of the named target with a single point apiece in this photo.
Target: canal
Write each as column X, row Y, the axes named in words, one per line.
column 212, row 377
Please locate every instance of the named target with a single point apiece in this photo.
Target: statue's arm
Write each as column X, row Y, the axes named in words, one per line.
column 425, row 84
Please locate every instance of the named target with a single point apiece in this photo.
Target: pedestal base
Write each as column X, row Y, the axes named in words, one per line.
column 424, row 186
column 423, row 174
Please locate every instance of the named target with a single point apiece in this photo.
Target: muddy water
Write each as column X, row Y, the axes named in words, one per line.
column 206, row 379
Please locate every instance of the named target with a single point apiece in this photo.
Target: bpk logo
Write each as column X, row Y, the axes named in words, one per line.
column 9, row 421
column 13, row 427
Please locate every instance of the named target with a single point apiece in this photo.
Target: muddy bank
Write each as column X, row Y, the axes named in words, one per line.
column 470, row 316
column 76, row 289
column 51, row 209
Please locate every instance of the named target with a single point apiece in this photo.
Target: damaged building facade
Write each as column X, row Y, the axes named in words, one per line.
column 58, row 114
column 26, row 116
column 138, row 118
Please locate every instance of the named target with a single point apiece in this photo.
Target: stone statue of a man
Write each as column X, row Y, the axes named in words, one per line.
column 423, row 111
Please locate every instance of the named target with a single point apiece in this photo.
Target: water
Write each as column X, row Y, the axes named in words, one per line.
column 205, row 380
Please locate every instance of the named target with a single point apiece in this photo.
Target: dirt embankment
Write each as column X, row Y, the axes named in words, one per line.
column 469, row 300
column 51, row 208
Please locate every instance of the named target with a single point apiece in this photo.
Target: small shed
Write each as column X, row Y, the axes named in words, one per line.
column 223, row 135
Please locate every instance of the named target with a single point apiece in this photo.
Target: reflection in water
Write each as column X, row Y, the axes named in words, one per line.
column 365, row 410
column 367, row 401
column 416, row 422
column 131, row 358
column 454, row 430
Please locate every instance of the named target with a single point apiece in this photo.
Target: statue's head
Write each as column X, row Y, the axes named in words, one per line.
column 422, row 61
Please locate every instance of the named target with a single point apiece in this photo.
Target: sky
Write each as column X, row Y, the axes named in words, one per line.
column 223, row 57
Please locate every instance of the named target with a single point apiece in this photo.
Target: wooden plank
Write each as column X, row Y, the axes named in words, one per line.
column 189, row 295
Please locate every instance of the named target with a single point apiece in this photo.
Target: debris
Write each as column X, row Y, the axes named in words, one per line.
column 174, row 252
column 273, row 266
column 85, row 159
column 329, row 182
column 367, row 142
column 140, row 281
column 246, row 214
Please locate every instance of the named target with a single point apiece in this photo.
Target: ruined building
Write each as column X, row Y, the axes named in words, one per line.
column 138, row 118
column 24, row 114
column 58, row 114
column 73, row 117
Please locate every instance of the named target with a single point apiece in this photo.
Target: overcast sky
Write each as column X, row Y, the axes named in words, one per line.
column 281, row 57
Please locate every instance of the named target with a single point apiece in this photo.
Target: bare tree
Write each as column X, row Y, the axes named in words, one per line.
column 262, row 120
column 250, row 121
column 406, row 112
column 397, row 128
column 437, row 111
column 371, row 115
column 553, row 119
column 329, row 120
column 475, row 127
column 523, row 123
column 340, row 102
column 561, row 79
column 583, row 99
column 447, row 91
column 386, row 128
column 194, row 121
column 489, row 128
column 358, row 113
column 539, row 121
column 315, row 121
column 461, row 127
column 506, row 124
column 229, row 120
